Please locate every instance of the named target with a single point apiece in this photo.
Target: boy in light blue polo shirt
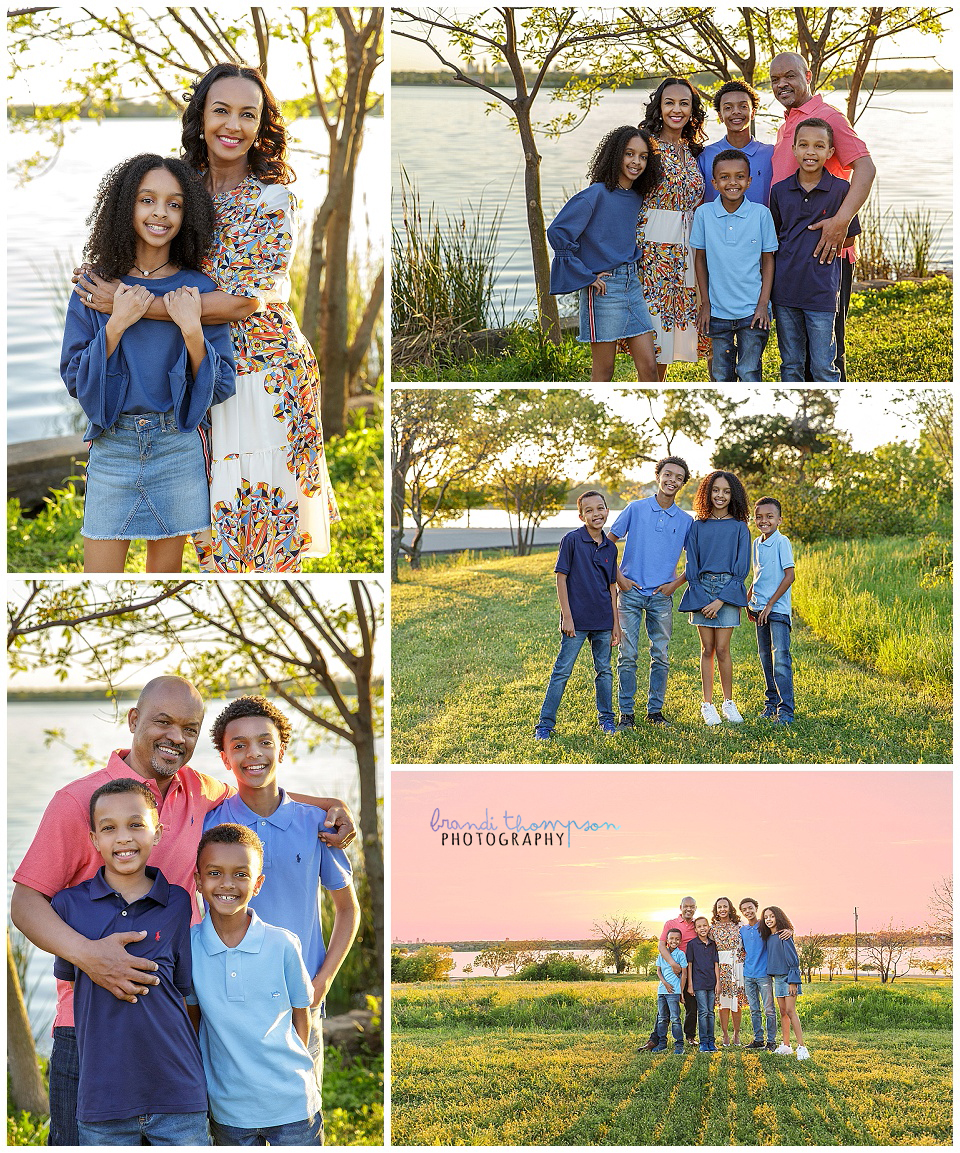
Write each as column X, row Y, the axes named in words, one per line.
column 250, row 1002
column 251, row 735
column 668, row 995
column 656, row 531
column 734, row 241
column 768, row 605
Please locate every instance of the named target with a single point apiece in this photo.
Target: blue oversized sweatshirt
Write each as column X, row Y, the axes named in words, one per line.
column 149, row 370
column 716, row 546
column 782, row 959
column 595, row 231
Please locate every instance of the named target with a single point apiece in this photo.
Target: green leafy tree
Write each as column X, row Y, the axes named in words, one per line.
column 339, row 51
column 282, row 637
column 812, row 953
column 681, row 411
column 618, row 937
column 888, row 951
column 645, row 956
column 494, row 958
column 941, row 908
column 428, row 963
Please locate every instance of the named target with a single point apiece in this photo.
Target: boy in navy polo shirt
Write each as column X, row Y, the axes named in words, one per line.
column 140, row 1070
column 586, row 571
column 250, row 1002
column 734, row 241
column 703, row 977
column 805, row 290
column 251, row 735
column 768, row 605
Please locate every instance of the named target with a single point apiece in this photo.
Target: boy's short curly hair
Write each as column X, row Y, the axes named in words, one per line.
column 229, row 834
column 124, row 785
column 736, row 86
column 678, row 461
column 730, row 154
column 250, row 707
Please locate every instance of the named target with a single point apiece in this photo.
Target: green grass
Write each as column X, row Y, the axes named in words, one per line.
column 474, row 643
column 51, row 541
column 496, row 1074
column 901, row 333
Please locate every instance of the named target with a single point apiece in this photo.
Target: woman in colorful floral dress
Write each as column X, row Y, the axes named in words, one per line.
column 271, row 500
column 731, row 995
column 675, row 115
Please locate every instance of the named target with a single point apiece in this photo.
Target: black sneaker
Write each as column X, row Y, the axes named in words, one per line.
column 626, row 722
column 757, row 1043
column 657, row 719
column 770, row 1047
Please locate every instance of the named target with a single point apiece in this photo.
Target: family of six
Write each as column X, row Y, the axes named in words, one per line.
column 604, row 603
column 130, row 944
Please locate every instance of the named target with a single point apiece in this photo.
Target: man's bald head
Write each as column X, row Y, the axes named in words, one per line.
column 790, row 79
column 166, row 725
column 171, row 685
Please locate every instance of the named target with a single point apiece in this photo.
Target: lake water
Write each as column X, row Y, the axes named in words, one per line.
column 476, row 159
column 46, row 234
column 35, row 772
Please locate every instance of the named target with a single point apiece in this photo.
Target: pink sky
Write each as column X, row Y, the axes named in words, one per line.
column 815, row 843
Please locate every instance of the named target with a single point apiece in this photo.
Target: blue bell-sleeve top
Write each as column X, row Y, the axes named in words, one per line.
column 595, row 231
column 716, row 546
column 782, row 958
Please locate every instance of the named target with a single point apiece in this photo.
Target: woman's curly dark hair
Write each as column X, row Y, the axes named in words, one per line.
column 702, row 508
column 112, row 246
column 731, row 911
column 267, row 155
column 693, row 131
column 607, row 160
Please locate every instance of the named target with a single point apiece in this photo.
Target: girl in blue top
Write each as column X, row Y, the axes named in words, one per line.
column 783, row 966
column 146, row 385
column 718, row 561
column 594, row 239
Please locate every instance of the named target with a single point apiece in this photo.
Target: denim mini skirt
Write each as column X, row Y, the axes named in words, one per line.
column 617, row 314
column 729, row 615
column 146, row 480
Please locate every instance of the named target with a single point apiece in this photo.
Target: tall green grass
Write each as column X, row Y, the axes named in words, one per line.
column 872, row 1006
column 866, row 600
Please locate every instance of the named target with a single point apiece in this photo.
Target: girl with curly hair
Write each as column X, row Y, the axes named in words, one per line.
column 594, row 239
column 675, row 115
column 147, row 387
column 783, row 967
column 718, row 561
column 272, row 503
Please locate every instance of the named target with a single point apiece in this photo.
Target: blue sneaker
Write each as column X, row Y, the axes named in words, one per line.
column 659, row 1049
column 608, row 728
column 704, row 1048
column 778, row 720
column 542, row 733
column 713, row 1048
column 678, row 1050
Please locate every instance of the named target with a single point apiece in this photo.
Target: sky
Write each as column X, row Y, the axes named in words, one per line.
column 910, row 50
column 815, row 843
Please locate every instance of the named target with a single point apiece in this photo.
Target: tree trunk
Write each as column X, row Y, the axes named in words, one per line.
column 370, row 832
column 547, row 312
column 333, row 315
column 26, row 1084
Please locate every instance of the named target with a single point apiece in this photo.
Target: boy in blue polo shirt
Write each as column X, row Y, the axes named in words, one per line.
column 768, row 605
column 250, row 1002
column 251, row 735
column 757, row 983
column 656, row 530
column 806, row 291
column 668, row 995
column 736, row 103
column 586, row 571
column 734, row 241
column 140, row 1069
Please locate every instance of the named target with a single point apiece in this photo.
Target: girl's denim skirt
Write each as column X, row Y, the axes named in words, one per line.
column 617, row 314
column 146, row 480
column 729, row 615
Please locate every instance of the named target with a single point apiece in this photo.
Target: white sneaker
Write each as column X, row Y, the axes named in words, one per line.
column 802, row 1053
column 785, row 1051
column 730, row 711
column 709, row 713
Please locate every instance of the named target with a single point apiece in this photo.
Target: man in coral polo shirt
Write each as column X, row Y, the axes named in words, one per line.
column 790, row 80
column 165, row 725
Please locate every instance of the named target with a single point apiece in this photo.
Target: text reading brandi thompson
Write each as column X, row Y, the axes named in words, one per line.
column 514, row 831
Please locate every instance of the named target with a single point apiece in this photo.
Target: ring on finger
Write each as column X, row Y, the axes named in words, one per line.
column 89, row 298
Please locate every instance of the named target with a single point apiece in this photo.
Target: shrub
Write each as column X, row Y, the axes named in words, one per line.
column 561, row 967
column 428, row 963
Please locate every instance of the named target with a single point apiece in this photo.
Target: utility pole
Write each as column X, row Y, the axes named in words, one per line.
column 855, row 942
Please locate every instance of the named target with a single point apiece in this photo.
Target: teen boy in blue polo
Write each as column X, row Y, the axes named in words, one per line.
column 251, row 993
column 757, row 983
column 251, row 735
column 655, row 530
column 805, row 290
column 768, row 604
column 736, row 104
column 586, row 571
column 140, row 1071
column 734, row 241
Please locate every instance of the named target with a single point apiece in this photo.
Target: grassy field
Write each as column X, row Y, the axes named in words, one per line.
column 474, row 642
column 486, row 1062
column 901, row 333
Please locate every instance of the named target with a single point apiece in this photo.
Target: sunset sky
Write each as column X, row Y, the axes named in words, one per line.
column 815, row 843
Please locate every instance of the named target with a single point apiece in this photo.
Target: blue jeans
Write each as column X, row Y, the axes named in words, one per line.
column 705, row 1000
column 657, row 611
column 306, row 1132
column 773, row 645
column 64, row 1073
column 737, row 348
column 802, row 333
column 157, row 1128
column 759, row 991
column 563, row 666
column 668, row 1009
